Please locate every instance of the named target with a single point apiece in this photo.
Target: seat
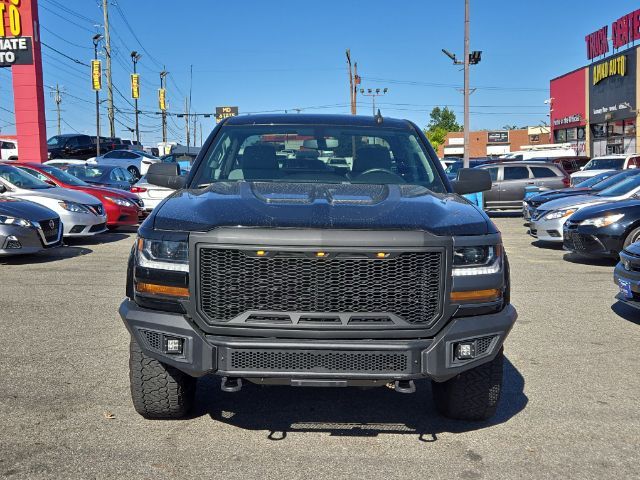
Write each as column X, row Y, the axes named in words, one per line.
column 260, row 162
column 371, row 157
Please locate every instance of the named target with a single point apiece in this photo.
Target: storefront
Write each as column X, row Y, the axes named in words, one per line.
column 568, row 110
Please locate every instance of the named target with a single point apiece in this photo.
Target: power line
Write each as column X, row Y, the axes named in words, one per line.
column 133, row 33
column 66, row 19
column 68, row 10
column 450, row 85
column 63, row 39
column 75, row 60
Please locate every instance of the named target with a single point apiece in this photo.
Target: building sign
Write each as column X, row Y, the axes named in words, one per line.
column 623, row 31
column 96, row 74
column 135, row 86
column 162, row 99
column 14, row 48
column 615, row 66
column 225, row 112
column 497, row 137
column 612, row 88
column 575, row 118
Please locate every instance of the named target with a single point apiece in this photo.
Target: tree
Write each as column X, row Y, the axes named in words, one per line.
column 443, row 121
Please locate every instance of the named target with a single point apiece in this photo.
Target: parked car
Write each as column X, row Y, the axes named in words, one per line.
column 453, row 168
column 601, row 164
column 135, row 161
column 27, row 227
column 510, row 180
column 548, row 219
column 627, row 275
column 8, row 149
column 603, row 230
column 81, row 214
column 61, row 163
column 103, row 175
column 122, row 208
column 185, row 160
column 131, row 144
column 150, row 195
column 78, row 146
column 589, row 186
column 568, row 164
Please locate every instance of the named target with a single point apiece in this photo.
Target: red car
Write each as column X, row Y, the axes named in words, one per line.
column 123, row 208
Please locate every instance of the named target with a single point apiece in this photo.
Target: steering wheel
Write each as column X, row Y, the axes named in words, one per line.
column 383, row 171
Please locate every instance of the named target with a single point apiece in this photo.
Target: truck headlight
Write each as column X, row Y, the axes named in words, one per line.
column 605, row 221
column 163, row 254
column 555, row 214
column 479, row 260
column 20, row 222
column 74, row 207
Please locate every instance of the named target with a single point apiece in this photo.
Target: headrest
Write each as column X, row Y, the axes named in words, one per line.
column 370, row 157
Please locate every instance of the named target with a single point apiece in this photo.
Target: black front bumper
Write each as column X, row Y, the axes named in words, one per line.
column 592, row 241
column 310, row 358
column 627, row 274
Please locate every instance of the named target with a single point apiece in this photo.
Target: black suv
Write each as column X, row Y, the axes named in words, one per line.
column 310, row 275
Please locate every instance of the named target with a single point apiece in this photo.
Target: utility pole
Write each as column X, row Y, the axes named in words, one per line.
column 107, row 48
column 163, row 76
column 356, row 82
column 351, row 86
column 57, row 97
column 465, row 157
column 373, row 93
column 195, row 129
column 186, row 118
column 135, row 56
column 96, row 40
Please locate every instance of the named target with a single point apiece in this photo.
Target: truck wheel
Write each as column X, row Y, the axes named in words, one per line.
column 471, row 395
column 158, row 390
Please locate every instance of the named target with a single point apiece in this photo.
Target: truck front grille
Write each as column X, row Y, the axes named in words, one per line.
column 232, row 282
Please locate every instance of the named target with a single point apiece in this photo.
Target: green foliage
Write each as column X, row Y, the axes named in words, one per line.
column 436, row 136
column 443, row 121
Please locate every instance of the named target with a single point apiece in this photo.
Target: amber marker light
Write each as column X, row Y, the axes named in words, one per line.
column 321, row 254
column 382, row 255
column 155, row 289
column 261, row 253
column 477, row 296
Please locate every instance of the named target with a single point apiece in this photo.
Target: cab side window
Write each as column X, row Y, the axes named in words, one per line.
column 493, row 172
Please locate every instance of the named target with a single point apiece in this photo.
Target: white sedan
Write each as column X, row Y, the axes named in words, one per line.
column 82, row 214
column 151, row 195
column 136, row 161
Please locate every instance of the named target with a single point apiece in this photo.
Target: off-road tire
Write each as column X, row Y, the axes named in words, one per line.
column 471, row 395
column 158, row 390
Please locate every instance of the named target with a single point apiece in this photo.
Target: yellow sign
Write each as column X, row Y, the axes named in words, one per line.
column 615, row 66
column 135, row 86
column 162, row 99
column 15, row 20
column 96, row 74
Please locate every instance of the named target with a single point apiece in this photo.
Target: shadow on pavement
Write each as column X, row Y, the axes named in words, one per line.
column 547, row 245
column 626, row 312
column 505, row 214
column 47, row 256
column 595, row 261
column 346, row 411
column 101, row 238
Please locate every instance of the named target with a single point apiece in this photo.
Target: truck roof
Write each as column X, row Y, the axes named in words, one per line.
column 317, row 119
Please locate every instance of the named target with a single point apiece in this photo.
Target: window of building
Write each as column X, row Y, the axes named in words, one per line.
column 560, row 136
column 534, row 138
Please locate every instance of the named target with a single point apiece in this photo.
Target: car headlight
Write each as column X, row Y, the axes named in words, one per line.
column 20, row 222
column 555, row 214
column 479, row 260
column 605, row 221
column 123, row 202
column 74, row 207
column 163, row 254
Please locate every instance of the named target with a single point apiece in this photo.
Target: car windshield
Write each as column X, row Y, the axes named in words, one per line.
column 87, row 172
column 374, row 155
column 21, row 179
column 614, row 180
column 605, row 164
column 63, row 176
column 591, row 181
column 624, row 187
column 57, row 141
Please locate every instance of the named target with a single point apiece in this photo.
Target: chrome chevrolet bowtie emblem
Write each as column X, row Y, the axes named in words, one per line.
column 52, row 224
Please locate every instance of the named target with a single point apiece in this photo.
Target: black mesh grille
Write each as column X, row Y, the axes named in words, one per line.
column 408, row 285
column 98, row 228
column 50, row 229
column 483, row 344
column 319, row 362
column 152, row 339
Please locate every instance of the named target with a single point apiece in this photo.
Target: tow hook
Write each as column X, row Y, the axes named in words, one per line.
column 404, row 386
column 231, row 384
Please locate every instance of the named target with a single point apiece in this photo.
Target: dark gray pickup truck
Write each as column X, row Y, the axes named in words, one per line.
column 285, row 269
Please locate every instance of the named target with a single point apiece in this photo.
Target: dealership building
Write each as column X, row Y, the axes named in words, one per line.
column 594, row 108
column 489, row 143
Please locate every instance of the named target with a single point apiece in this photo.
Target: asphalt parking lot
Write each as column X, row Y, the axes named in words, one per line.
column 569, row 408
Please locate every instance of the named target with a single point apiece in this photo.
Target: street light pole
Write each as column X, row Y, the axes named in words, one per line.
column 96, row 41
column 135, row 56
column 373, row 93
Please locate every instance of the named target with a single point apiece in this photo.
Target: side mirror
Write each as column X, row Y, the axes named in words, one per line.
column 472, row 180
column 165, row 175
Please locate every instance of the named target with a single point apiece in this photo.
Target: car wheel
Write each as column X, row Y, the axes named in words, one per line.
column 471, row 395
column 134, row 171
column 633, row 237
column 158, row 390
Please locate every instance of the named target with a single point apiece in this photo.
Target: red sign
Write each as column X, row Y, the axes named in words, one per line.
column 568, row 100
column 623, row 31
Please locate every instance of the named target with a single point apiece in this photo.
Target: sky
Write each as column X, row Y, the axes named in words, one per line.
column 283, row 55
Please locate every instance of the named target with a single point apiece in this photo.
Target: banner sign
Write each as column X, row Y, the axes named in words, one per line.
column 497, row 137
column 162, row 99
column 623, row 31
column 135, row 86
column 612, row 89
column 225, row 112
column 96, row 74
column 16, row 51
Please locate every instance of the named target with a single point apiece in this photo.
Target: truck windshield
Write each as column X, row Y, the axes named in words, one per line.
column 605, row 164
column 318, row 154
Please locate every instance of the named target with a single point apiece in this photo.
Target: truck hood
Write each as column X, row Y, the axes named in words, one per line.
column 19, row 208
column 57, row 193
column 313, row 205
